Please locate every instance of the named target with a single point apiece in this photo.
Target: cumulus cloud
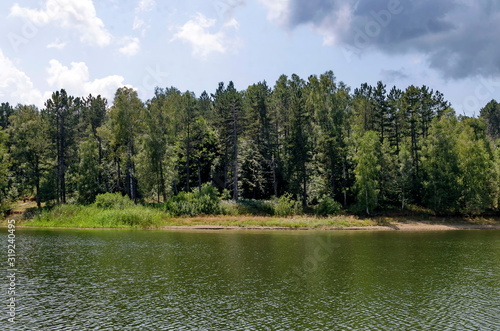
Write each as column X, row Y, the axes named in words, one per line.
column 131, row 46
column 75, row 80
column 458, row 37
column 196, row 32
column 69, row 14
column 15, row 85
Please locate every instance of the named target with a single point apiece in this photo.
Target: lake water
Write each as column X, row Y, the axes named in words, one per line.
column 254, row 280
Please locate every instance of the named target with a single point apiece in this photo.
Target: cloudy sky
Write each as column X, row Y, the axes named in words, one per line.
column 95, row 47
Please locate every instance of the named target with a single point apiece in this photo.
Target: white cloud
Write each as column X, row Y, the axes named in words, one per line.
column 277, row 10
column 196, row 33
column 232, row 23
column 75, row 80
column 145, row 5
column 15, row 85
column 69, row 14
column 57, row 44
column 138, row 23
column 132, row 46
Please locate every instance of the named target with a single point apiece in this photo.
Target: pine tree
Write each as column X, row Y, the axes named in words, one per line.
column 30, row 144
column 228, row 109
column 62, row 114
column 89, row 170
column 125, row 127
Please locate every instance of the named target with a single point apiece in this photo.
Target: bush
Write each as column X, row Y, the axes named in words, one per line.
column 328, row 207
column 204, row 201
column 255, row 207
column 113, row 201
column 287, row 206
column 229, row 207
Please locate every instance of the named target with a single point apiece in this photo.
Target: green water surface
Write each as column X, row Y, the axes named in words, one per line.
column 254, row 280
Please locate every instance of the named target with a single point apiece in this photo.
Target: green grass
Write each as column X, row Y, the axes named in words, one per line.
column 94, row 217
column 294, row 222
column 114, row 211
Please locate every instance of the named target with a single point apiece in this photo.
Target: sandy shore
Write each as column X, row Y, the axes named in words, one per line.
column 393, row 227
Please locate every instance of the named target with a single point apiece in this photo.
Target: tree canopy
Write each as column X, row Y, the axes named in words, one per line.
column 371, row 148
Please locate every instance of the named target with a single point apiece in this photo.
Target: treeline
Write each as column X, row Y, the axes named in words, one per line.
column 369, row 149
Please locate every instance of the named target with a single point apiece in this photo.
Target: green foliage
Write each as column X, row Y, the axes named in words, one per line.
column 476, row 173
column 203, row 201
column 367, row 172
column 68, row 215
column 89, row 171
column 30, row 148
column 370, row 148
column 441, row 165
column 328, row 207
column 113, row 201
column 287, row 206
column 491, row 115
column 5, row 163
column 255, row 207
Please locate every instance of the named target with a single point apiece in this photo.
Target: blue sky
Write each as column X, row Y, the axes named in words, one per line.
column 95, row 47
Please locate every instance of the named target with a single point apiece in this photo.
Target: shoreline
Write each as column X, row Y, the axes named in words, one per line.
column 392, row 227
column 414, row 226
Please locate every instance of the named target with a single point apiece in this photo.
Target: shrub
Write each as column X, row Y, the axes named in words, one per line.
column 287, row 206
column 203, row 201
column 328, row 207
column 255, row 207
column 113, row 201
column 228, row 207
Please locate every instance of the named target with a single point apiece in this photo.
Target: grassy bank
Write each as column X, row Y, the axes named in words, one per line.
column 95, row 217
column 115, row 211
column 141, row 217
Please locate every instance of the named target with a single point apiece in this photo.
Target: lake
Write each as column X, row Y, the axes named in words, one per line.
column 254, row 280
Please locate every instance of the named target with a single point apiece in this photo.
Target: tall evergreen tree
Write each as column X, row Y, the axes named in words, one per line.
column 299, row 142
column 491, row 115
column 125, row 127
column 228, row 109
column 62, row 114
column 259, row 172
column 6, row 111
column 329, row 105
column 30, row 144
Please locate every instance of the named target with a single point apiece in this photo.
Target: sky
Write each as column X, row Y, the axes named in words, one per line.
column 95, row 47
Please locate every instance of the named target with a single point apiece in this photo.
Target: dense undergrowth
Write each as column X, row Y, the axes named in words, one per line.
column 206, row 207
column 112, row 210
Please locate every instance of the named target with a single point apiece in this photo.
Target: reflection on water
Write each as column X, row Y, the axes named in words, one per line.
column 256, row 280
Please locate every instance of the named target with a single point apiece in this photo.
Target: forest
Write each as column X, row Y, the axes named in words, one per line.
column 369, row 150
